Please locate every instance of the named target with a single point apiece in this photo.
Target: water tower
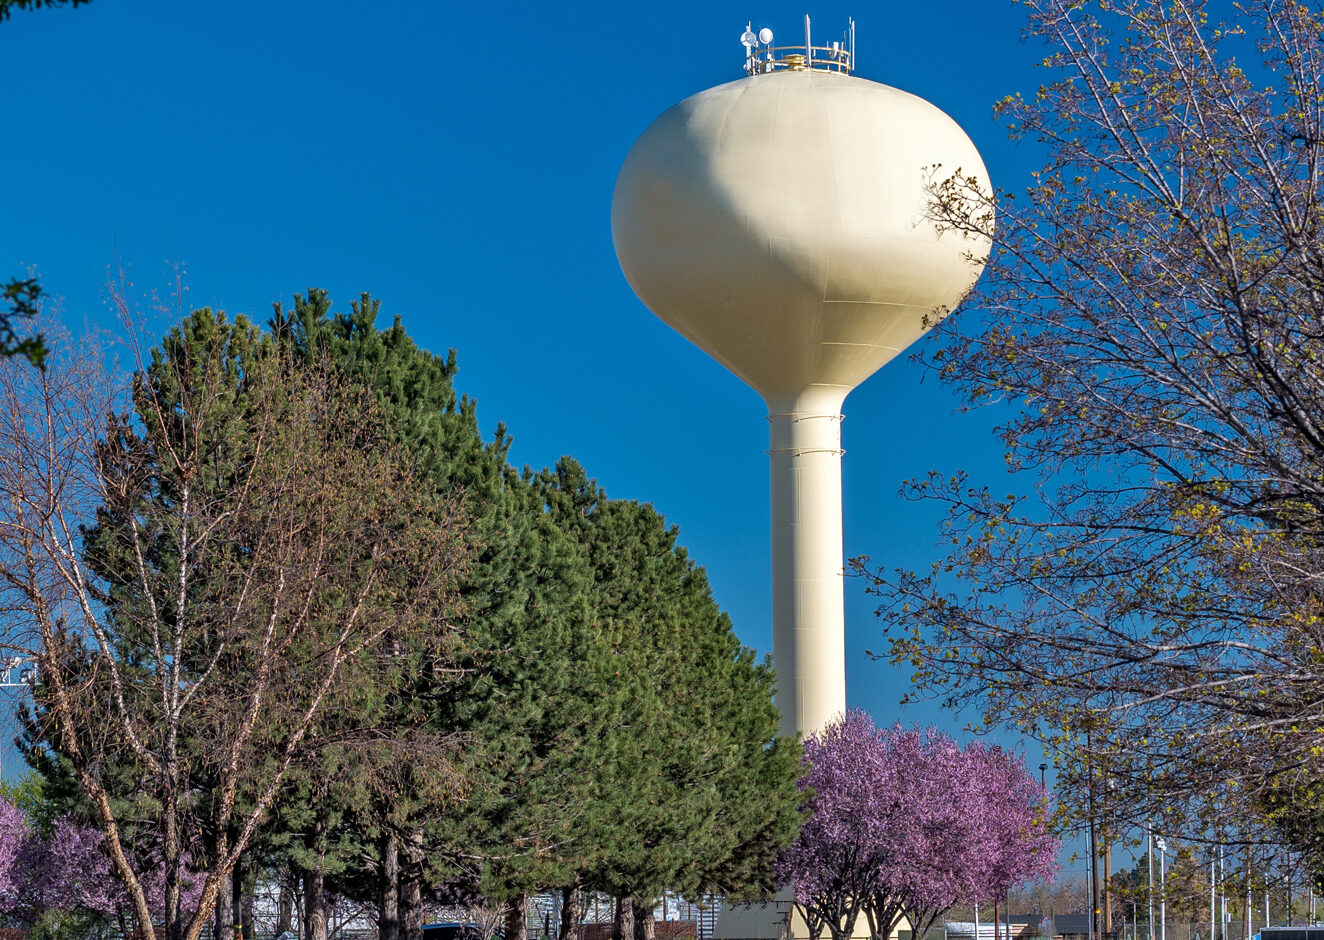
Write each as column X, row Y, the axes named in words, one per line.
column 781, row 222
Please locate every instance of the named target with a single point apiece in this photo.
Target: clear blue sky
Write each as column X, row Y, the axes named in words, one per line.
column 457, row 160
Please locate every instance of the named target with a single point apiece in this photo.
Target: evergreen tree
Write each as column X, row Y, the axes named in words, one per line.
column 523, row 613
column 692, row 788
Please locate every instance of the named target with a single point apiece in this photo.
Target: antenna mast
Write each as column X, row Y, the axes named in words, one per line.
column 761, row 56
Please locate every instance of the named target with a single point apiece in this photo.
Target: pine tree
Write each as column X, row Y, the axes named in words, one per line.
column 523, row 614
column 693, row 789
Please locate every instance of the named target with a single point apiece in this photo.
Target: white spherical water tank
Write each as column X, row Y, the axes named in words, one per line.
column 781, row 222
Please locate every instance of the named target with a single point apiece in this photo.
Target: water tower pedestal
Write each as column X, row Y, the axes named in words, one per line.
column 808, row 596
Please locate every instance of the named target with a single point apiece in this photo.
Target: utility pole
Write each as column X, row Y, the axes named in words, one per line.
column 1107, row 881
column 1094, row 880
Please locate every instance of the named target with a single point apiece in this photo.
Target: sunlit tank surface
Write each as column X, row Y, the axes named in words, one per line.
column 781, row 222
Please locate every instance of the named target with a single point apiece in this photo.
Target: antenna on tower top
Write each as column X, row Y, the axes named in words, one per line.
column 761, row 56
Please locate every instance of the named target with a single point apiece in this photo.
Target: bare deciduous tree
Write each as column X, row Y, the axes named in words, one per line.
column 1154, row 316
column 193, row 562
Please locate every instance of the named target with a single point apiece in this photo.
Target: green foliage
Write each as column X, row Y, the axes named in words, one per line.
column 69, row 925
column 28, row 794
column 25, row 793
column 21, row 296
column 617, row 733
column 255, row 534
column 9, row 6
column 522, row 611
column 689, row 788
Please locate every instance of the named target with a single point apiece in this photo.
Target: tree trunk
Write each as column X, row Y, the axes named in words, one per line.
column 237, row 899
column 643, row 919
column 517, row 923
column 221, row 920
column 411, row 887
column 247, row 907
column 411, row 902
column 569, row 914
column 285, row 905
column 174, row 927
column 388, row 891
column 622, row 927
column 314, row 906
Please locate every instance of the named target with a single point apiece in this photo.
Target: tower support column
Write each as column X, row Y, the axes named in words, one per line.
column 808, row 595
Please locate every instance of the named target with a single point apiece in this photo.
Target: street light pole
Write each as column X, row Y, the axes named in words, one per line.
column 1106, row 927
column 1163, row 887
column 1149, row 870
column 1094, row 845
column 1222, row 896
column 1094, row 879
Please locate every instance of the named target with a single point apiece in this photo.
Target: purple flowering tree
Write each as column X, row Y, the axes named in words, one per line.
column 1014, row 847
column 843, row 847
column 906, row 823
column 69, row 871
column 13, row 834
column 933, row 864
